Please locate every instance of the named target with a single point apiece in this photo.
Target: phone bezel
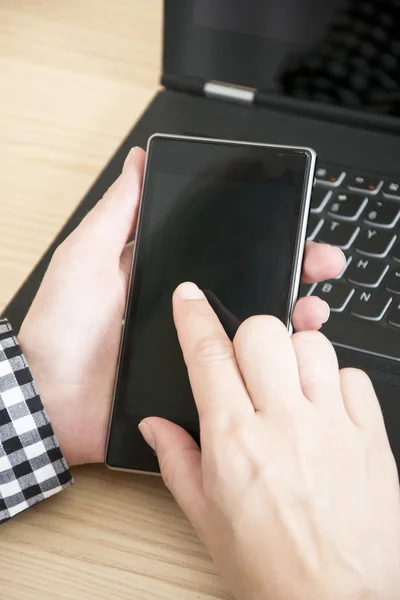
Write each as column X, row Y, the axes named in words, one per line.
column 298, row 256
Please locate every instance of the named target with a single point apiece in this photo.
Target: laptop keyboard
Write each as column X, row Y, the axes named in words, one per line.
column 360, row 213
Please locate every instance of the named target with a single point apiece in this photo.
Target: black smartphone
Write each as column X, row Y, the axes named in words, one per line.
column 229, row 216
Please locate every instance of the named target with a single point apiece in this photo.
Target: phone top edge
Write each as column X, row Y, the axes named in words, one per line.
column 173, row 136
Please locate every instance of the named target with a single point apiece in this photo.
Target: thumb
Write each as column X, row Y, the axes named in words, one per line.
column 179, row 458
column 108, row 226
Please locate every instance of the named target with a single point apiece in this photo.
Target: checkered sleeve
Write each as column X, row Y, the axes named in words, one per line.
column 32, row 466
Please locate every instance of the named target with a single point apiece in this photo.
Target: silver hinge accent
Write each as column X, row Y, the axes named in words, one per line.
column 214, row 89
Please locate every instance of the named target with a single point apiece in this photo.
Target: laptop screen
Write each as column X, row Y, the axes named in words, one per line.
column 270, row 19
column 343, row 52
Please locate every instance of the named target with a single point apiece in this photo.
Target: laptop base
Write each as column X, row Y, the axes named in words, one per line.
column 177, row 112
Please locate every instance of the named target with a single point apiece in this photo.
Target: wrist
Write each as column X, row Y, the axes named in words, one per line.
column 54, row 407
column 77, row 406
column 60, row 420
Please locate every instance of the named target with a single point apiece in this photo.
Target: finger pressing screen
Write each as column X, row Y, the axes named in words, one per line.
column 209, row 355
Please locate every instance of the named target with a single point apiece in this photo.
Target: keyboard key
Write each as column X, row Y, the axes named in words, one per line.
column 365, row 184
column 314, row 225
column 373, row 242
column 319, row 199
column 382, row 213
column 366, row 272
column 336, row 293
column 392, row 190
column 396, row 252
column 392, row 282
column 347, row 206
column 329, row 176
column 366, row 336
column 370, row 305
column 394, row 314
column 338, row 234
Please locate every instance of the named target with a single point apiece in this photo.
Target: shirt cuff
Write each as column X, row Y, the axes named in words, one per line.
column 32, row 466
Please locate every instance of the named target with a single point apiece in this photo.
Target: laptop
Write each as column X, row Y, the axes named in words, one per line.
column 324, row 74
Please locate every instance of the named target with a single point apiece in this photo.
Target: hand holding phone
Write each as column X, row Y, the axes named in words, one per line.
column 73, row 366
column 295, row 492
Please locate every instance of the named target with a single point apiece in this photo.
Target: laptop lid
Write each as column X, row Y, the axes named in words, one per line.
column 343, row 53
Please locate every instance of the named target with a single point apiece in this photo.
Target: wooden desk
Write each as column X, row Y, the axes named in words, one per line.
column 74, row 76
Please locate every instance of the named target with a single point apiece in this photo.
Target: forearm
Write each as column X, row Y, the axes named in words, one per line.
column 32, row 466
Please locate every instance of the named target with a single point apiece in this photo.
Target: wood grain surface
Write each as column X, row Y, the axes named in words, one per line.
column 74, row 76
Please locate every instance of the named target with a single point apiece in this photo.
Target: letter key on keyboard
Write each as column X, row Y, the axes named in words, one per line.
column 338, row 234
column 366, row 272
column 394, row 314
column 370, row 305
column 347, row 206
column 395, row 252
column 392, row 281
column 336, row 293
column 374, row 242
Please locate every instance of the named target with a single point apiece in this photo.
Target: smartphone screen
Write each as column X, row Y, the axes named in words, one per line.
column 230, row 217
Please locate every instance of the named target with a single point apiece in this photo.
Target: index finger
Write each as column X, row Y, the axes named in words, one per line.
column 217, row 385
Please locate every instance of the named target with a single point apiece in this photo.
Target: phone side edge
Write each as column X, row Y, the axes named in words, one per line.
column 301, row 235
column 127, row 306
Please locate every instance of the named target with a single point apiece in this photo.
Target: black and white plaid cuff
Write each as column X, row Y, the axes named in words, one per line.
column 32, row 466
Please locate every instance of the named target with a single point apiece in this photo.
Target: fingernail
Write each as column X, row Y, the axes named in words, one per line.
column 129, row 160
column 190, row 291
column 328, row 311
column 147, row 434
column 342, row 253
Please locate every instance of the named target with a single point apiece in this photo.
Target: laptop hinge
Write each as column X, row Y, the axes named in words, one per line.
column 189, row 85
column 210, row 89
column 231, row 93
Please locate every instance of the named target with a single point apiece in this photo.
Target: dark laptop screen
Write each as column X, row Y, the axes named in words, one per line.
column 344, row 52
column 287, row 20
